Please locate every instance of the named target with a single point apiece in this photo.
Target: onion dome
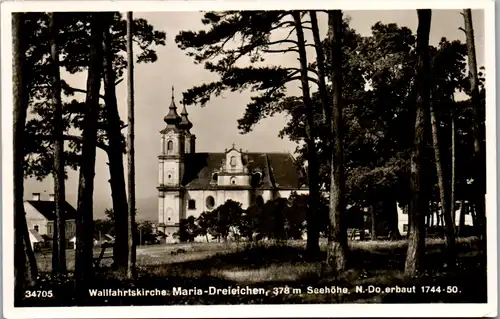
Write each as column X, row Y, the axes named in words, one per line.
column 172, row 118
column 185, row 124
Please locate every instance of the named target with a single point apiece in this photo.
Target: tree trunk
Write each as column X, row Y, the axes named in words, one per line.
column 480, row 165
column 374, row 223
column 59, row 238
column 419, row 204
column 392, row 207
column 24, row 275
column 320, row 59
column 443, row 192
column 453, row 163
column 84, row 243
column 115, row 155
column 312, row 159
column 337, row 239
column 131, row 270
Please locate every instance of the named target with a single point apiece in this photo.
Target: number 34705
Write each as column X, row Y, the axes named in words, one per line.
column 38, row 294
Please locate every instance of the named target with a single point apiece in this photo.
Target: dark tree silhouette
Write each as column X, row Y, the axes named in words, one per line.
column 337, row 239
column 131, row 270
column 419, row 203
column 84, row 228
column 24, row 275
column 59, row 237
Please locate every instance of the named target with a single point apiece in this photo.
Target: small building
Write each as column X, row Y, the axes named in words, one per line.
column 40, row 216
column 403, row 218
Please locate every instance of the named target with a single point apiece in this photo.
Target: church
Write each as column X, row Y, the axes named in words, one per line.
column 191, row 183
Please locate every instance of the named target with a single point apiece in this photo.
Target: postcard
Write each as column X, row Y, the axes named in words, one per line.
column 174, row 159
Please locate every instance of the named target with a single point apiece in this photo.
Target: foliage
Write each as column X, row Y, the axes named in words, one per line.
column 145, row 233
column 73, row 41
column 276, row 219
column 188, row 230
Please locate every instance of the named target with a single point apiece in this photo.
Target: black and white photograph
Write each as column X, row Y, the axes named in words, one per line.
column 290, row 159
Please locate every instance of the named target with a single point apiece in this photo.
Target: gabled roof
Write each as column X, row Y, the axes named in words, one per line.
column 279, row 170
column 36, row 235
column 47, row 208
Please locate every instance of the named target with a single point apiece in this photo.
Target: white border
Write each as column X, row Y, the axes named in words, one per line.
column 317, row 310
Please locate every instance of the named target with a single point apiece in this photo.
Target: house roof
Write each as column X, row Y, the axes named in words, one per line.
column 279, row 170
column 36, row 235
column 47, row 208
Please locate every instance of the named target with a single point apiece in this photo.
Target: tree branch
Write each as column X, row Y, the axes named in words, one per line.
column 280, row 51
column 282, row 41
column 72, row 89
column 308, row 69
column 72, row 138
column 315, row 81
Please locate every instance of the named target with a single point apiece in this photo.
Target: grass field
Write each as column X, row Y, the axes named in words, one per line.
column 274, row 266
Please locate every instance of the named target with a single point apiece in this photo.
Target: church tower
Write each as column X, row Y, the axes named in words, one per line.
column 171, row 170
column 185, row 125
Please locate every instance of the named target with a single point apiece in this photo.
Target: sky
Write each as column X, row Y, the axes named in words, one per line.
column 215, row 125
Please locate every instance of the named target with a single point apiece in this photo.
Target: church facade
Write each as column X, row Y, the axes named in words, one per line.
column 191, row 183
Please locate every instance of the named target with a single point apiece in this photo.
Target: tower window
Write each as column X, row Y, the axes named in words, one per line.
column 215, row 176
column 233, row 180
column 233, row 161
column 170, row 147
column 210, row 202
column 191, row 204
column 36, row 228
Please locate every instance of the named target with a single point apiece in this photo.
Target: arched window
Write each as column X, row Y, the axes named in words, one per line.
column 36, row 228
column 233, row 161
column 170, row 147
column 210, row 202
column 215, row 177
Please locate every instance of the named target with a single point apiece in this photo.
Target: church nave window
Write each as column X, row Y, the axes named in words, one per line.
column 210, row 202
column 191, row 204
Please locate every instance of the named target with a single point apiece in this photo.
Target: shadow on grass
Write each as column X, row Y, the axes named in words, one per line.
column 273, row 268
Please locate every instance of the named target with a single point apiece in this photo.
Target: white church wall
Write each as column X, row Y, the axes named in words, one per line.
column 288, row 193
column 219, row 196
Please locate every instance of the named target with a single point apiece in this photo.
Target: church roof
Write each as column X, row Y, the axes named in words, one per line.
column 185, row 123
column 172, row 118
column 279, row 170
